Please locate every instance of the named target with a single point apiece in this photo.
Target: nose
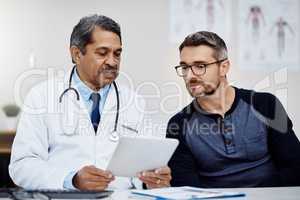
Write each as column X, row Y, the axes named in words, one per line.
column 111, row 60
column 189, row 74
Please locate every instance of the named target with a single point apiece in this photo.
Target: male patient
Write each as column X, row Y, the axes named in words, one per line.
column 229, row 137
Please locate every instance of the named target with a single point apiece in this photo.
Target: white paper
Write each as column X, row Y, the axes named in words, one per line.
column 181, row 193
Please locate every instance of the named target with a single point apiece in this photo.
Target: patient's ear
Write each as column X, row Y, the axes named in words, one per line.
column 224, row 68
column 75, row 54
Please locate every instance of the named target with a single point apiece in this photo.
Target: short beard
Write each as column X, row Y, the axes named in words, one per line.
column 209, row 93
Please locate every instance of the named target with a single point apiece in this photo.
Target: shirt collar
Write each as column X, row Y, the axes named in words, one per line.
column 84, row 90
column 196, row 107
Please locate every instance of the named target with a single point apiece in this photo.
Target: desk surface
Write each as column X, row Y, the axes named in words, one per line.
column 279, row 193
column 282, row 193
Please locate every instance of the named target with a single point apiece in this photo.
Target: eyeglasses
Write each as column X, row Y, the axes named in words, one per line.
column 197, row 68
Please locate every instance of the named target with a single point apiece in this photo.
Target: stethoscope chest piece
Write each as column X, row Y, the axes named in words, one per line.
column 114, row 136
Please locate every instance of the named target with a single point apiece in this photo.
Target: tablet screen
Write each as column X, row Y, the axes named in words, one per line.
column 134, row 155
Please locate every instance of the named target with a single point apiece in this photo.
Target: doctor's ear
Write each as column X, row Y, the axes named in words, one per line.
column 75, row 53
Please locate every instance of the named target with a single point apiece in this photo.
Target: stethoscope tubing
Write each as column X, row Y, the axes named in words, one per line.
column 70, row 88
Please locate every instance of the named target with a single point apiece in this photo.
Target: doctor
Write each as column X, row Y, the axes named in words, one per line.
column 70, row 126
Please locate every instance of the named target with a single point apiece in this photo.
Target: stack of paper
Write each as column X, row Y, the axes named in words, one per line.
column 185, row 193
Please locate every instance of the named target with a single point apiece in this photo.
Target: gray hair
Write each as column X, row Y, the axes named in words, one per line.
column 82, row 32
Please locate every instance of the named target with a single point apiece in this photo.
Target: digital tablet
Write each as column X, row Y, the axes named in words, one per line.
column 134, row 155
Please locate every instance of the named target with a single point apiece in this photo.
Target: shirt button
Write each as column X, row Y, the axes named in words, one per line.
column 228, row 142
column 228, row 130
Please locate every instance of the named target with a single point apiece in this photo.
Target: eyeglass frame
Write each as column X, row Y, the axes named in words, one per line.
column 204, row 65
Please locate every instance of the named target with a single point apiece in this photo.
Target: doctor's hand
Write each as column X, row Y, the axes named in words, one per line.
column 92, row 178
column 157, row 178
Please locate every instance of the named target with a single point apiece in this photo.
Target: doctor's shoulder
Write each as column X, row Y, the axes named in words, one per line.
column 40, row 93
column 36, row 96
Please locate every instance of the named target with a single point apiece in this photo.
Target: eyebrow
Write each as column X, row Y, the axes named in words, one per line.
column 195, row 62
column 107, row 48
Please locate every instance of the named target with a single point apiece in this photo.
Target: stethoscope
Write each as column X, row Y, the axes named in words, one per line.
column 114, row 136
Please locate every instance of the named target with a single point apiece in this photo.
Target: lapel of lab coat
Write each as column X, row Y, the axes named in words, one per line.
column 75, row 113
column 104, row 147
column 108, row 114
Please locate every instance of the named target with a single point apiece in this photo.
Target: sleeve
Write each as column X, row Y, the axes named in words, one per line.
column 283, row 144
column 68, row 182
column 29, row 166
column 182, row 163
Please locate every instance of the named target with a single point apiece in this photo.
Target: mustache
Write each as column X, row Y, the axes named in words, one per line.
column 109, row 69
column 195, row 82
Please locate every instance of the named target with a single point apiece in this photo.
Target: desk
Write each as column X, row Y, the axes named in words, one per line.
column 6, row 140
column 276, row 193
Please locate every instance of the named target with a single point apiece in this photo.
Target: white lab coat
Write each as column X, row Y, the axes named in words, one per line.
column 54, row 139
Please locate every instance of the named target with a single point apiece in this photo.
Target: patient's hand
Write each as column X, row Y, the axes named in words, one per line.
column 92, row 178
column 157, row 178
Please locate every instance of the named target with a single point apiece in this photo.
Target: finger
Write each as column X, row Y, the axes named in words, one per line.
column 99, row 172
column 88, row 175
column 158, row 182
column 160, row 171
column 96, row 171
column 161, row 185
column 164, row 177
column 100, row 188
column 94, row 178
column 149, row 180
column 151, row 186
column 163, row 170
column 156, row 175
column 149, row 174
column 102, row 178
column 96, row 185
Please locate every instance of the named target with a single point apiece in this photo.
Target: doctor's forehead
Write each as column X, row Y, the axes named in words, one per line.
column 102, row 38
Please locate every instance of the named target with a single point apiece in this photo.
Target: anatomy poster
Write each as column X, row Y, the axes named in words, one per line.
column 189, row 16
column 268, row 34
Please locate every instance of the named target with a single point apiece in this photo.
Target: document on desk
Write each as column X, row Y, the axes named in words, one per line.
column 185, row 193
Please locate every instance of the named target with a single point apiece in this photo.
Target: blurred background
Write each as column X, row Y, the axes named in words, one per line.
column 262, row 38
